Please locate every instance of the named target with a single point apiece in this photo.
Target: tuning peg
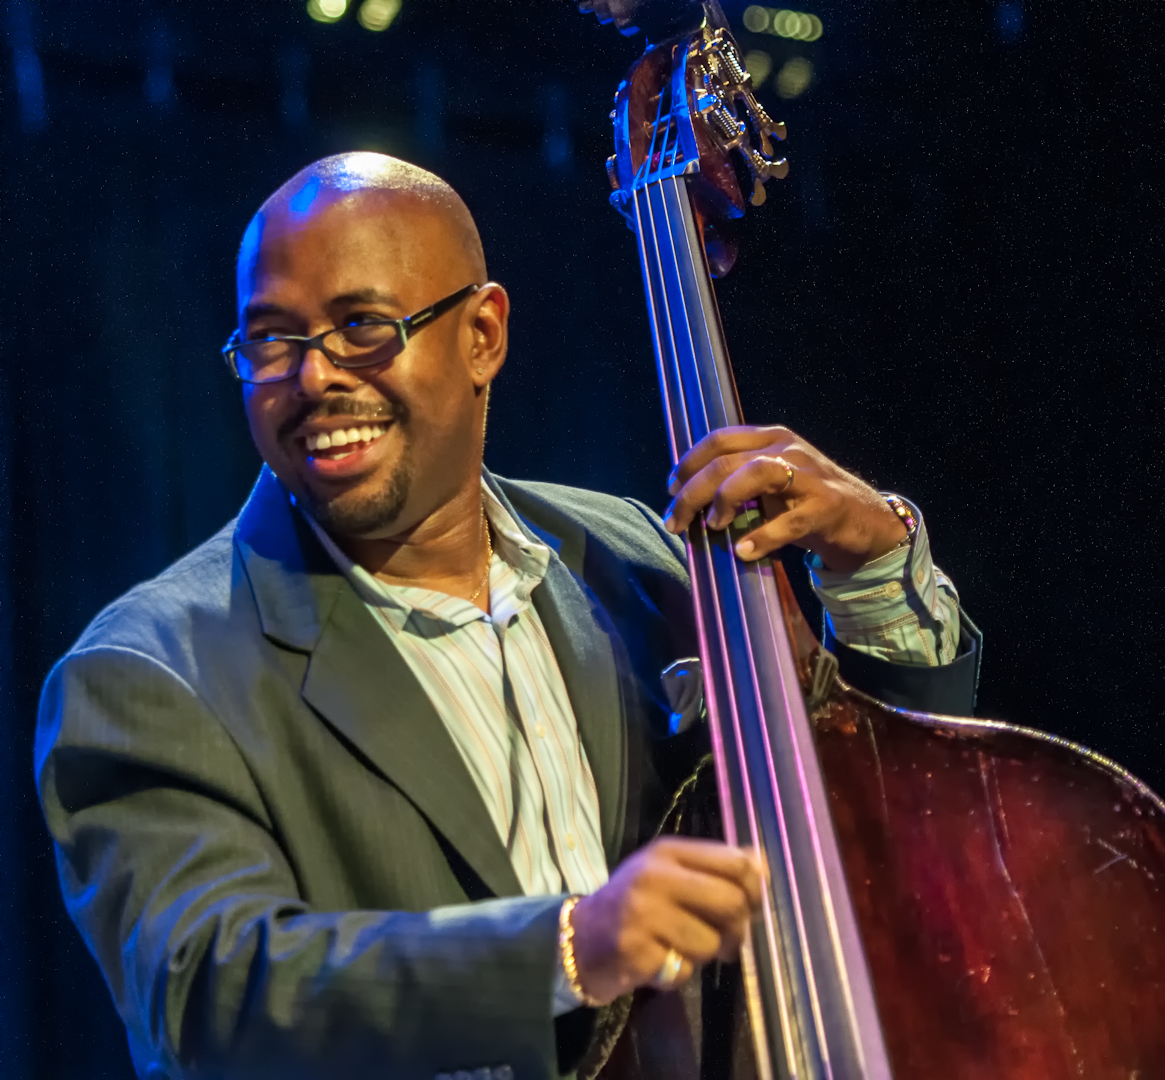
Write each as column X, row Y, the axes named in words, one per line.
column 613, row 172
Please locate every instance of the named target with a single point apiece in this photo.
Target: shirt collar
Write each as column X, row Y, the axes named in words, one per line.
column 528, row 558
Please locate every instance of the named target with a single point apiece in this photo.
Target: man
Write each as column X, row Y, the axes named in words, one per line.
column 319, row 789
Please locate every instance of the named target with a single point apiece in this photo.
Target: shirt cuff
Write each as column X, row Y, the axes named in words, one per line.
column 899, row 607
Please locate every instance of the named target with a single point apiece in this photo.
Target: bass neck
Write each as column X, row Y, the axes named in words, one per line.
column 695, row 374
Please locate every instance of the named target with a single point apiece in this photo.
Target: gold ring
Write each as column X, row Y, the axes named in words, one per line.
column 788, row 475
column 669, row 970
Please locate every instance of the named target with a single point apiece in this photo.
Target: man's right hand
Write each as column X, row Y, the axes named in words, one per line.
column 694, row 896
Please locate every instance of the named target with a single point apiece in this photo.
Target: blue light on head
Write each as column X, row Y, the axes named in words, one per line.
column 301, row 201
column 248, row 254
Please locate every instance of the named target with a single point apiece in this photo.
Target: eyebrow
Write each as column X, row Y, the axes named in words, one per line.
column 359, row 296
column 254, row 311
column 367, row 296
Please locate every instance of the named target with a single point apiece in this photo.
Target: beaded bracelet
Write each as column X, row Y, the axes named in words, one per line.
column 566, row 950
column 905, row 515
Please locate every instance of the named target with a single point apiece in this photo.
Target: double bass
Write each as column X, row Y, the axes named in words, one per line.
column 946, row 898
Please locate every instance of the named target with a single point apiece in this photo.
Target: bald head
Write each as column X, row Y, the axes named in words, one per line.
column 374, row 185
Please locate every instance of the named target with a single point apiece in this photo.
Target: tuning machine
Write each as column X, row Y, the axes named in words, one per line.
column 723, row 96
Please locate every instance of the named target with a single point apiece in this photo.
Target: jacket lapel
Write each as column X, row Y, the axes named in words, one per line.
column 581, row 635
column 585, row 658
column 358, row 681
column 363, row 687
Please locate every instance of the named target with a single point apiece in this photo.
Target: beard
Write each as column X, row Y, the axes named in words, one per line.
column 368, row 515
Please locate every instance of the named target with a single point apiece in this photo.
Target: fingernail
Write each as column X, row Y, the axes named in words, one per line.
column 673, row 484
column 745, row 548
column 669, row 521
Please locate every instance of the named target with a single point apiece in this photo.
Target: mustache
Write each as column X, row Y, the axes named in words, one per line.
column 350, row 407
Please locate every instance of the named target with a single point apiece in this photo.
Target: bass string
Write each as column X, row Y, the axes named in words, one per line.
column 734, row 582
column 721, row 631
column 659, row 305
column 658, row 291
column 659, row 312
column 654, row 300
column 788, row 1026
column 797, row 1031
column 674, row 352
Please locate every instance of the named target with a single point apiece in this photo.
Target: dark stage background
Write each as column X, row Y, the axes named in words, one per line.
column 957, row 292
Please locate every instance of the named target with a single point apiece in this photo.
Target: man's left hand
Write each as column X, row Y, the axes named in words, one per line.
column 823, row 508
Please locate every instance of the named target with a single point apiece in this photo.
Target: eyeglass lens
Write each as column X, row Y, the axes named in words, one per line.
column 276, row 358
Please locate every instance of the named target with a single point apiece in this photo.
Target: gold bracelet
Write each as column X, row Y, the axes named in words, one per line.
column 566, row 949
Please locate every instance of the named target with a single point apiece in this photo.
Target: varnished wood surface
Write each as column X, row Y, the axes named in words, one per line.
column 1010, row 890
column 1010, row 896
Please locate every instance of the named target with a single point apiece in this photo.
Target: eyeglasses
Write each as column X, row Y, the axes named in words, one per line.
column 272, row 359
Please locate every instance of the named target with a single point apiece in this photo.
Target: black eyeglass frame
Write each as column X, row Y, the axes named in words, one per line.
column 403, row 328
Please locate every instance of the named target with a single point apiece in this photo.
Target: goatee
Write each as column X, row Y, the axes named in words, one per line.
column 370, row 516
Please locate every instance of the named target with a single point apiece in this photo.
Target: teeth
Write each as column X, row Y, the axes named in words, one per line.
column 325, row 441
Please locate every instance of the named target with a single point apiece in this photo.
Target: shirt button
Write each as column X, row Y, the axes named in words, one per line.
column 541, row 730
column 893, row 589
column 920, row 577
column 570, row 841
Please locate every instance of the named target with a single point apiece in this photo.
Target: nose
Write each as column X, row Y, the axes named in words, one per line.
column 319, row 376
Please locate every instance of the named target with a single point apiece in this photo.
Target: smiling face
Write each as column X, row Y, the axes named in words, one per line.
column 371, row 453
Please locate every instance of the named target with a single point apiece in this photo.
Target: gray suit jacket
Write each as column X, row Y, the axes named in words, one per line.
column 271, row 844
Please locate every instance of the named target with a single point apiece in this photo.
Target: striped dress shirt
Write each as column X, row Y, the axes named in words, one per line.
column 900, row 608
column 495, row 683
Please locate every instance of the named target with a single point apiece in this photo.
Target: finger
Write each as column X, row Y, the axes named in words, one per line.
column 694, row 943
column 792, row 526
column 732, row 937
column 700, row 489
column 726, row 440
column 737, row 865
column 766, row 474
column 692, row 938
column 713, row 899
column 730, row 942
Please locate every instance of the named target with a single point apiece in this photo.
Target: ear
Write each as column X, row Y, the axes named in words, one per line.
column 488, row 320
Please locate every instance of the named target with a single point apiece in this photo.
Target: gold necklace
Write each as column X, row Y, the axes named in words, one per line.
column 489, row 558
